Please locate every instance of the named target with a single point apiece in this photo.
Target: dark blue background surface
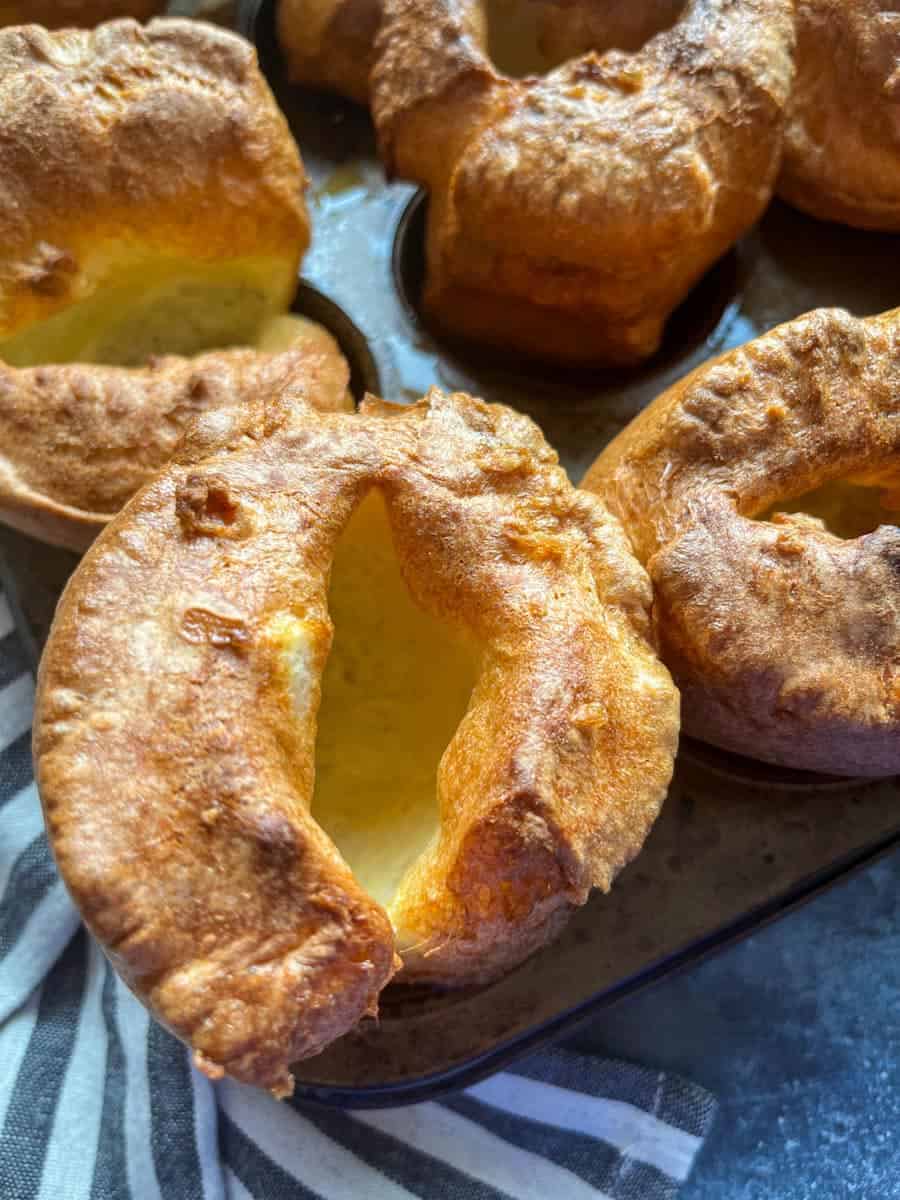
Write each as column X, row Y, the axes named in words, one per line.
column 797, row 1031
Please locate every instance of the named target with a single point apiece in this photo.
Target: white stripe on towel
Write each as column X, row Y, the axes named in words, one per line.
column 206, row 1136
column 44, row 936
column 16, row 708
column 20, row 823
column 300, row 1149
column 471, row 1148
column 15, row 1034
column 635, row 1132
column 80, row 1106
column 133, row 1021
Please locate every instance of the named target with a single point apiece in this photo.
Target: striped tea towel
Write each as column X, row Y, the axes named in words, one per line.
column 98, row 1102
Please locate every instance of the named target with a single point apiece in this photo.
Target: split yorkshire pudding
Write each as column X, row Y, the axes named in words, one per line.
column 252, row 877
column 151, row 202
column 842, row 142
column 762, row 494
column 569, row 214
column 61, row 14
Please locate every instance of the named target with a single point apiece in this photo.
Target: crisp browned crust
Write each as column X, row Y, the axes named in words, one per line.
column 842, row 143
column 131, row 142
column 60, row 14
column 76, row 442
column 784, row 639
column 175, row 723
column 570, row 214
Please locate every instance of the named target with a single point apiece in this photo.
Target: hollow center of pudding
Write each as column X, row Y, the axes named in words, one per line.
column 395, row 688
column 516, row 39
column 531, row 37
column 162, row 306
column 846, row 509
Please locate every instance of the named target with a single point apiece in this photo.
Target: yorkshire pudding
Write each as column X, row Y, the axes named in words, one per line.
column 842, row 142
column 151, row 196
column 61, row 14
column 569, row 214
column 782, row 628
column 151, row 200
column 77, row 441
column 175, row 734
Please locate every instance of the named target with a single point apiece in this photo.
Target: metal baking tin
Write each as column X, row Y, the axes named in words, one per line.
column 738, row 842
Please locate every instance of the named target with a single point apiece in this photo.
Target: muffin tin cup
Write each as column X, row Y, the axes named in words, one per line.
column 738, row 842
column 364, row 376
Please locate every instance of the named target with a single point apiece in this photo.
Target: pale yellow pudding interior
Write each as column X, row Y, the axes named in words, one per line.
column 161, row 306
column 395, row 688
column 846, row 509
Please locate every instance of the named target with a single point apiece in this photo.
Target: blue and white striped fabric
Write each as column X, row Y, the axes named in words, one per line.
column 97, row 1102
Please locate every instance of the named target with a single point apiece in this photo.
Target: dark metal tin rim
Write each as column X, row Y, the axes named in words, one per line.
column 313, row 303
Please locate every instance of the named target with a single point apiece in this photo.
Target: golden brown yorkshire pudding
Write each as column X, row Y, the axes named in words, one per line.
column 782, row 628
column 77, row 441
column 151, row 196
column 151, row 201
column 842, row 143
column 176, row 739
column 570, row 214
column 62, row 14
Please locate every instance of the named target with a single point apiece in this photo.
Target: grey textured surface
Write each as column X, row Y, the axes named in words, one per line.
column 796, row 1030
